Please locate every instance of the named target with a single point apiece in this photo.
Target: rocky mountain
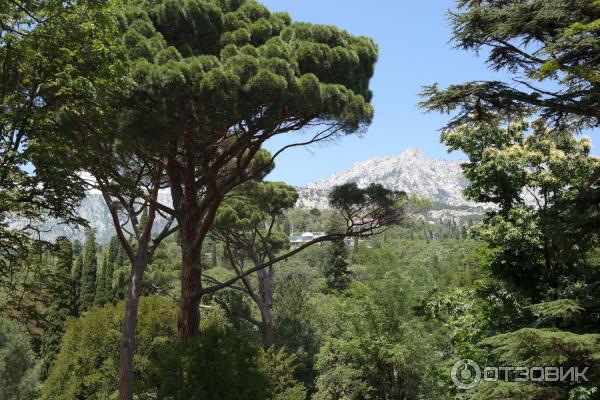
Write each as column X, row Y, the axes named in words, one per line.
column 440, row 181
column 94, row 210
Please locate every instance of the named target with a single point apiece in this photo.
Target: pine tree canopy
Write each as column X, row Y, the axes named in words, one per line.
column 218, row 68
column 254, row 204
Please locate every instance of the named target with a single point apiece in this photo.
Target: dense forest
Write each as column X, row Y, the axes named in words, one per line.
column 204, row 296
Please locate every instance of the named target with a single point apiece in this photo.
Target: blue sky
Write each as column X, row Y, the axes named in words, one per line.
column 413, row 51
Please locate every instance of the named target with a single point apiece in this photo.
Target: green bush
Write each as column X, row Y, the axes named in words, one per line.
column 87, row 365
column 221, row 364
column 218, row 365
column 18, row 369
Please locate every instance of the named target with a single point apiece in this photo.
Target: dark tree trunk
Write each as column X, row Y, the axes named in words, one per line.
column 129, row 329
column 265, row 290
column 191, row 284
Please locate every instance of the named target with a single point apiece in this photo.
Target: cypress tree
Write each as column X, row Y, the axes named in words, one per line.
column 114, row 250
column 118, row 290
column 104, row 288
column 336, row 267
column 101, row 294
column 76, row 282
column 61, row 304
column 88, row 273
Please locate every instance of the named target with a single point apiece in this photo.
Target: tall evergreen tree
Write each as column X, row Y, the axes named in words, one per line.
column 105, row 293
column 88, row 273
column 248, row 75
column 101, row 294
column 115, row 257
column 121, row 273
column 61, row 305
column 76, row 280
column 336, row 266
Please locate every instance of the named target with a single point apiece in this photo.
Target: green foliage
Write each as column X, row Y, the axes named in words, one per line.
column 294, row 312
column 76, row 274
column 87, row 365
column 88, row 272
column 513, row 390
column 222, row 52
column 281, row 367
column 253, row 203
column 62, row 303
column 18, row 369
column 375, row 347
column 56, row 57
column 550, row 347
column 542, row 347
column 101, row 297
column 368, row 208
column 536, row 181
column 341, row 373
column 162, row 275
column 250, row 214
column 105, row 291
column 561, row 309
column 219, row 364
column 538, row 42
column 25, row 298
column 336, row 266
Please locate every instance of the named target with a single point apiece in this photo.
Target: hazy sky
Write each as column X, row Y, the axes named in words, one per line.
column 413, row 51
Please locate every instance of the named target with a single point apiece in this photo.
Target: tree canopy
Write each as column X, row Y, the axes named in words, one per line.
column 55, row 59
column 549, row 46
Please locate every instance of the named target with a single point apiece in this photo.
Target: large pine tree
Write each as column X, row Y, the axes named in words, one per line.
column 214, row 81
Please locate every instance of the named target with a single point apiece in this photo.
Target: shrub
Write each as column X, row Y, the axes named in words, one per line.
column 18, row 370
column 87, row 364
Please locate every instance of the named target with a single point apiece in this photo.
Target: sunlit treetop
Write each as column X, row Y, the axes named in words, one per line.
column 211, row 66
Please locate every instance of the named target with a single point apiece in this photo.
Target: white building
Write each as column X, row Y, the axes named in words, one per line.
column 305, row 237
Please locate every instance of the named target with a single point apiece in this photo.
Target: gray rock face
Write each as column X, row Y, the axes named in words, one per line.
column 94, row 210
column 441, row 181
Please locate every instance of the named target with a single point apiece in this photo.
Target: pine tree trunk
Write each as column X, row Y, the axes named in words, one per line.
column 265, row 305
column 129, row 329
column 189, row 309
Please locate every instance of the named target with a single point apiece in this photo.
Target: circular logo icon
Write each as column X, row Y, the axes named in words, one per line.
column 466, row 374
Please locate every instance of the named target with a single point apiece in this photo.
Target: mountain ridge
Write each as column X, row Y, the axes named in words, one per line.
column 440, row 181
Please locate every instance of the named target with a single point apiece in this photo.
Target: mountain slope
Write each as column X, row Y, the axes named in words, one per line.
column 94, row 210
column 441, row 181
